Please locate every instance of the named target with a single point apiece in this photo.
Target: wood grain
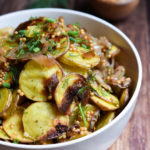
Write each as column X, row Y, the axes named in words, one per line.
column 136, row 135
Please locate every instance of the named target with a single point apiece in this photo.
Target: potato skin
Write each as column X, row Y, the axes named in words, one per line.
column 5, row 100
column 13, row 106
column 3, row 134
column 71, row 90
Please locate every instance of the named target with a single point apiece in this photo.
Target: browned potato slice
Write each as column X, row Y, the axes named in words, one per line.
column 41, row 120
column 61, row 48
column 104, row 99
column 13, row 105
column 81, row 58
column 3, row 134
column 5, row 99
column 14, row 128
column 68, row 88
column 105, row 119
column 72, row 69
column 39, row 75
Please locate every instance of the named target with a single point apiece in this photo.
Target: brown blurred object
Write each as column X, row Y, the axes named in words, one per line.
column 114, row 10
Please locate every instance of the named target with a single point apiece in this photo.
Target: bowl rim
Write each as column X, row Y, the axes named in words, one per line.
column 124, row 111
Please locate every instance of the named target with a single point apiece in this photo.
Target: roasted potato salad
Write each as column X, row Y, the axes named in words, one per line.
column 57, row 82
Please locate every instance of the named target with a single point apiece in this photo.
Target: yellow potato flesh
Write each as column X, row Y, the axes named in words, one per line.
column 104, row 99
column 14, row 128
column 63, row 86
column 5, row 99
column 64, row 45
column 4, row 35
column 75, row 58
column 32, row 79
column 105, row 119
column 72, row 69
column 13, row 105
column 41, row 118
column 3, row 134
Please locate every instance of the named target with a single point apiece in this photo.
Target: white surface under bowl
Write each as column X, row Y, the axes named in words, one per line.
column 129, row 57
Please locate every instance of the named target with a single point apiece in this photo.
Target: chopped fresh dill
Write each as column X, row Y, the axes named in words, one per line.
column 65, row 83
column 82, row 91
column 83, row 115
column 5, row 77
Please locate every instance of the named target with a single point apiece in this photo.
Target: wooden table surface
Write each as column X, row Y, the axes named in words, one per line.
column 136, row 135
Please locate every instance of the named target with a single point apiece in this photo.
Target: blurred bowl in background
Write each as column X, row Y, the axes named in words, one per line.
column 113, row 9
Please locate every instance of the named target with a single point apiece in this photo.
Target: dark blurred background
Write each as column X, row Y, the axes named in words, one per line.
column 136, row 136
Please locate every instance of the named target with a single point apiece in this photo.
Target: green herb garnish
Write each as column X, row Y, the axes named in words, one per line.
column 65, row 83
column 78, row 40
column 33, row 44
column 82, row 90
column 50, row 48
column 15, row 73
column 21, row 52
column 21, row 33
column 84, row 46
column 72, row 39
column 36, row 49
column 83, row 115
column 16, row 141
column 50, row 20
column 76, row 24
column 103, row 92
column 5, row 77
column 6, row 85
column 73, row 33
column 8, row 54
column 63, row 41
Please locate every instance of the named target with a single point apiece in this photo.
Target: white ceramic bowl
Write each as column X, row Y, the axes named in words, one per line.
column 129, row 57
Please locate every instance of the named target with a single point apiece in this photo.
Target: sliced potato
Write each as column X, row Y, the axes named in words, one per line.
column 35, row 76
column 5, row 99
column 68, row 88
column 104, row 99
column 63, row 42
column 4, row 35
column 72, row 69
column 14, row 128
column 41, row 119
column 81, row 58
column 13, row 105
column 3, row 134
column 124, row 98
column 89, row 110
column 31, row 30
column 105, row 119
